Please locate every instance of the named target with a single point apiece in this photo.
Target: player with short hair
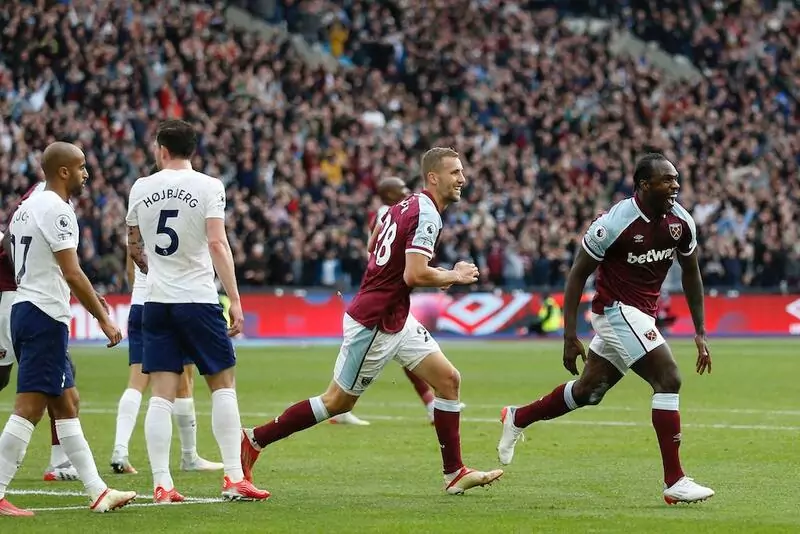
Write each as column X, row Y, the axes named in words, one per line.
column 131, row 399
column 391, row 190
column 379, row 327
column 178, row 216
column 59, row 469
column 632, row 247
column 44, row 242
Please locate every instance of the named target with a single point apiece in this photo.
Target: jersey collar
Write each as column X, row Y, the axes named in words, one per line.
column 640, row 208
column 427, row 194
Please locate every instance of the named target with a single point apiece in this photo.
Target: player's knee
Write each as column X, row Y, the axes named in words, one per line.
column 667, row 382
column 448, row 384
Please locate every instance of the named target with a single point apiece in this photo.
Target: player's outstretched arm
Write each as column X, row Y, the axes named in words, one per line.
column 222, row 258
column 418, row 273
column 80, row 286
column 136, row 250
column 583, row 266
column 692, row 282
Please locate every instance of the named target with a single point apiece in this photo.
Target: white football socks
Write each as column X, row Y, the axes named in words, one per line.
column 158, row 435
column 70, row 434
column 57, row 455
column 186, row 421
column 227, row 427
column 127, row 413
column 13, row 443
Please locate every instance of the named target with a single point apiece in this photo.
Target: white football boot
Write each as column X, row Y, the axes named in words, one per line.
column 467, row 478
column 112, row 499
column 686, row 490
column 200, row 464
column 347, row 418
column 509, row 437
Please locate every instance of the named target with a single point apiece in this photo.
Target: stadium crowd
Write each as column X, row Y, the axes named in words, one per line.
column 549, row 123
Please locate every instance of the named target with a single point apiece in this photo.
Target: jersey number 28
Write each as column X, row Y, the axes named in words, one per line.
column 385, row 240
column 163, row 217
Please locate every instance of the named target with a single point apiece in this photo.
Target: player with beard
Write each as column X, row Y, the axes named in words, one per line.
column 632, row 247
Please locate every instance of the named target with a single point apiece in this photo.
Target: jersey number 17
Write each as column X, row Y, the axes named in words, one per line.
column 25, row 242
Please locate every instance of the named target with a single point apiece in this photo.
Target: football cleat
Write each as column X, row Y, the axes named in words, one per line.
column 200, row 464
column 469, row 478
column 686, row 490
column 249, row 453
column 121, row 465
column 112, row 499
column 509, row 437
column 8, row 509
column 62, row 472
column 162, row 496
column 244, row 490
column 347, row 418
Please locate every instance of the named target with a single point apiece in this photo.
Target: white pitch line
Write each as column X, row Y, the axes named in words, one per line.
column 100, row 408
column 134, row 505
column 715, row 426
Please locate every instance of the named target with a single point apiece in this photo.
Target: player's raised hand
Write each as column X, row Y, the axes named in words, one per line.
column 703, row 355
column 572, row 348
column 112, row 332
column 467, row 272
column 237, row 319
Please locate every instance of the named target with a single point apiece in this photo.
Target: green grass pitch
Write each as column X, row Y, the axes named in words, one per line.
column 597, row 470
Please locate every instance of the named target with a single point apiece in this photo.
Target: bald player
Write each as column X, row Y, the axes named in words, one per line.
column 391, row 190
column 59, row 468
column 44, row 247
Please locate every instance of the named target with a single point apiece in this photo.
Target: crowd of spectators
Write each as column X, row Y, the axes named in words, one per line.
column 549, row 124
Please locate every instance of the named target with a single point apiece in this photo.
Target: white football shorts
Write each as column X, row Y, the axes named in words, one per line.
column 366, row 351
column 623, row 335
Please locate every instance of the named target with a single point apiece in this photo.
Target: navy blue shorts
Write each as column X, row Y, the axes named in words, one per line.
column 135, row 339
column 197, row 330
column 41, row 344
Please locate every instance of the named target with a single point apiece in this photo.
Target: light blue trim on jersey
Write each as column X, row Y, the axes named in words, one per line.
column 680, row 212
column 355, row 353
column 604, row 231
column 624, row 331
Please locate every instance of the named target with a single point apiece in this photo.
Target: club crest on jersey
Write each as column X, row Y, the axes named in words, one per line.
column 650, row 335
column 2, row 354
column 675, row 230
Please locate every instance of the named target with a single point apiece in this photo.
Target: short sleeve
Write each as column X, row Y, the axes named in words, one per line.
column 688, row 241
column 423, row 239
column 598, row 238
column 216, row 202
column 132, row 219
column 60, row 227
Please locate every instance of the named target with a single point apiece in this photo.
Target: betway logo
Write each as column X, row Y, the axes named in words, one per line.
column 651, row 256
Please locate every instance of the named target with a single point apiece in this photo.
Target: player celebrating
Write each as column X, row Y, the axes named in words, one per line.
column 44, row 242
column 178, row 214
column 391, row 191
column 378, row 326
column 632, row 247
column 131, row 399
column 60, row 468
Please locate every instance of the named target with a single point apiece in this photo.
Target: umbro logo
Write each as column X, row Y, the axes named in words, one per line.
column 638, row 238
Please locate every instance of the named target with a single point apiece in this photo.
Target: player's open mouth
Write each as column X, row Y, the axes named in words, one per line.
column 672, row 199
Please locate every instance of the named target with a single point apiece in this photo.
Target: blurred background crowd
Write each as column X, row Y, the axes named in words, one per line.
column 548, row 113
